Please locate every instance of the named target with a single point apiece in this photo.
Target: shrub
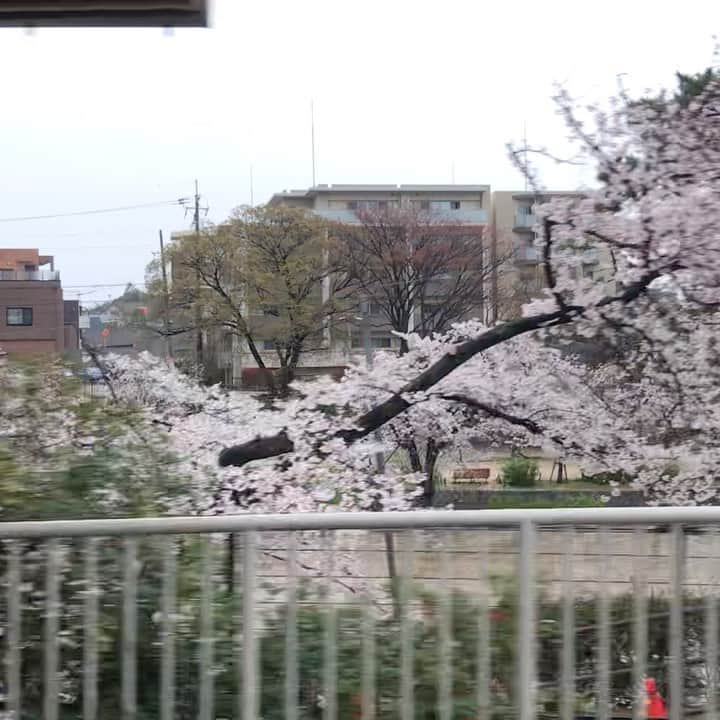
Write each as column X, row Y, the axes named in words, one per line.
column 519, row 472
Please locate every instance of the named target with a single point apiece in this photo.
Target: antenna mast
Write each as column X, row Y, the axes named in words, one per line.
column 525, row 155
column 312, row 139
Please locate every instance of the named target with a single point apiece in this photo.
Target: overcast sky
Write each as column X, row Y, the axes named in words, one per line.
column 403, row 89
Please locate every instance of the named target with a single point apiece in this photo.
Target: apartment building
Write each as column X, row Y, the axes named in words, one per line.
column 32, row 311
column 513, row 230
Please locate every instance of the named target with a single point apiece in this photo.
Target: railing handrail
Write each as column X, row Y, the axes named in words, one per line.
column 361, row 521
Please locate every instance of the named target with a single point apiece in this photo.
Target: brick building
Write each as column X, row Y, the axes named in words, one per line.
column 33, row 314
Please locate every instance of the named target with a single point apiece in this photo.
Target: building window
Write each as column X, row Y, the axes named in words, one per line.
column 268, row 345
column 371, row 309
column 377, row 342
column 7, row 274
column 19, row 316
column 443, row 205
column 370, row 205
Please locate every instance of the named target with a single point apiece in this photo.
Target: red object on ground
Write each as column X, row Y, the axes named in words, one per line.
column 654, row 704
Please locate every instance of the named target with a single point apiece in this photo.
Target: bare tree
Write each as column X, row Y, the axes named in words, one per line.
column 421, row 271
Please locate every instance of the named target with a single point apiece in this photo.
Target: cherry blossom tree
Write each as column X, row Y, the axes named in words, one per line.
column 656, row 214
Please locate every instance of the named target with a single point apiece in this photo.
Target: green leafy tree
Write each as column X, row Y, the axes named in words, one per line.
column 269, row 276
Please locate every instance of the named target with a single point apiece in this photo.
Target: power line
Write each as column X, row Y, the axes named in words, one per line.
column 101, row 285
column 60, row 248
column 122, row 208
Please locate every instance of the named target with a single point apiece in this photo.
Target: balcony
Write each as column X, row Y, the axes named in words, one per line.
column 526, row 254
column 524, row 221
column 30, row 275
column 462, row 217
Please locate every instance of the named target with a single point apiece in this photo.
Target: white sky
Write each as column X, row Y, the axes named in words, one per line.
column 402, row 89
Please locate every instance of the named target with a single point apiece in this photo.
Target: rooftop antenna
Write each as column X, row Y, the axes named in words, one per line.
column 252, row 199
column 452, row 172
column 525, row 156
column 312, row 139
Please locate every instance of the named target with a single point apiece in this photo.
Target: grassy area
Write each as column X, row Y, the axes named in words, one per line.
column 572, row 485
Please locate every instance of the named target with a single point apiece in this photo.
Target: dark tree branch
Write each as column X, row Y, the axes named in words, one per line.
column 279, row 444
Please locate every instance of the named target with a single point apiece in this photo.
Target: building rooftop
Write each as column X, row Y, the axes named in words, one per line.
column 377, row 188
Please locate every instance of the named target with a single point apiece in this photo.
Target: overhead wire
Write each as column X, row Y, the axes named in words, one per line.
column 76, row 213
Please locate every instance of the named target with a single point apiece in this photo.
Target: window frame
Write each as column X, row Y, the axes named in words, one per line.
column 24, row 310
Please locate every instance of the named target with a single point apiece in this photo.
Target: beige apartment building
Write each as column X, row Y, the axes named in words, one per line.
column 513, row 230
column 503, row 222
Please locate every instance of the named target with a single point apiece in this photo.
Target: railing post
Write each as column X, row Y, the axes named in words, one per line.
column 603, row 679
column 14, row 635
column 330, row 635
column 677, row 678
column 206, row 690
column 129, row 632
column 445, row 679
column 526, row 639
column 367, row 711
column 483, row 649
column 291, row 633
column 52, row 628
column 711, row 628
column 568, row 628
column 407, row 629
column 167, row 632
column 250, row 675
column 640, row 625
column 90, row 649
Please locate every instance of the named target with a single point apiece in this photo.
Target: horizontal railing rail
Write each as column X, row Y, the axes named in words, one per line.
column 361, row 521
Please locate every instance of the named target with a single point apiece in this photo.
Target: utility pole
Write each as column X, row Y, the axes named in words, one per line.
column 198, row 314
column 166, row 297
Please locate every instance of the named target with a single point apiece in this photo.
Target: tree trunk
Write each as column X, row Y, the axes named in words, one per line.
column 431, row 455
column 267, row 372
column 414, row 455
column 288, row 364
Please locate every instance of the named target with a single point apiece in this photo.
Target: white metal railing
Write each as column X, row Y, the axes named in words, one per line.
column 672, row 553
column 30, row 275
